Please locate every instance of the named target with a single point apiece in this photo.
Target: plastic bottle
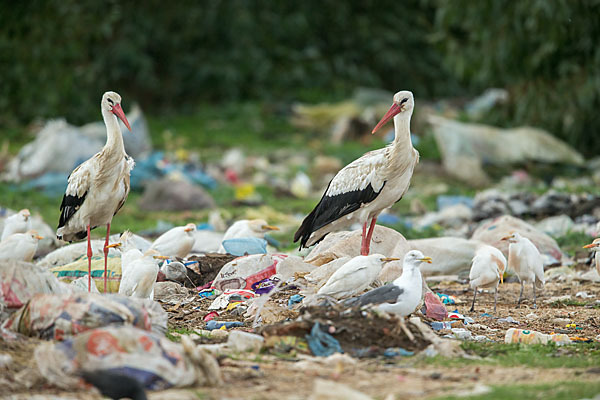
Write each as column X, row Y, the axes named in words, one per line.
column 514, row 335
column 438, row 326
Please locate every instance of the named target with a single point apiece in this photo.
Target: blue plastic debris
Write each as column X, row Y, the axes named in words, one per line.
column 272, row 241
column 388, row 219
column 444, row 201
column 205, row 226
column 446, row 299
column 242, row 246
column 295, row 299
column 438, row 326
column 397, row 351
column 51, row 183
column 485, row 315
column 208, row 293
column 212, row 324
column 322, row 344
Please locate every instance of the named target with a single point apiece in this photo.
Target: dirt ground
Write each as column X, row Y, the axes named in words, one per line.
column 269, row 376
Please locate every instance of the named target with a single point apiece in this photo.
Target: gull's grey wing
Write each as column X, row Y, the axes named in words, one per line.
column 385, row 294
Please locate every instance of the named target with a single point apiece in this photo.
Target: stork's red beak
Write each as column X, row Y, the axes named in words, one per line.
column 393, row 111
column 118, row 111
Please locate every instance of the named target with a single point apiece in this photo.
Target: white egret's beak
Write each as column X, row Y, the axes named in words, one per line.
column 114, row 245
column 388, row 259
column 590, row 246
column 38, row 237
column 161, row 257
column 269, row 228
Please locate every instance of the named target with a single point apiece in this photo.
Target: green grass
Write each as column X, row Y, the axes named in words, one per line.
column 566, row 303
column 183, row 331
column 550, row 391
column 580, row 355
column 573, row 241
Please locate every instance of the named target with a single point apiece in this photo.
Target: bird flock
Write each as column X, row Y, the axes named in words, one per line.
column 358, row 193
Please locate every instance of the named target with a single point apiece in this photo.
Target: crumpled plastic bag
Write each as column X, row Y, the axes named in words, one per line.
column 60, row 316
column 434, row 307
column 245, row 246
column 20, row 281
column 385, row 241
column 76, row 269
column 153, row 360
column 243, row 272
column 492, row 232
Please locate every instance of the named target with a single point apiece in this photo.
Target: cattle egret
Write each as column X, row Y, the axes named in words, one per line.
column 525, row 259
column 402, row 296
column 367, row 186
column 176, row 242
column 139, row 274
column 596, row 246
column 16, row 223
column 249, row 228
column 98, row 188
column 20, row 246
column 354, row 276
column 487, row 270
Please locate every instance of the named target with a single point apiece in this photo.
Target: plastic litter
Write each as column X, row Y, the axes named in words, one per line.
column 434, row 307
column 208, row 293
column 514, row 335
column 245, row 341
column 286, row 344
column 264, row 286
column 151, row 359
column 295, row 299
column 438, row 326
column 322, row 344
column 69, row 272
column 242, row 272
column 447, row 299
column 450, row 255
column 397, row 351
column 60, row 316
column 461, row 333
column 508, row 320
column 212, row 324
column 245, row 246
column 211, row 315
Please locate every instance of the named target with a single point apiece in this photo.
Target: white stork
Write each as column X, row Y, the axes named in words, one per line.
column 98, row 187
column 16, row 223
column 525, row 259
column 368, row 185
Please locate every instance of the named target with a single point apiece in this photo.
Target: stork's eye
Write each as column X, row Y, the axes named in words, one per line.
column 110, row 101
column 404, row 100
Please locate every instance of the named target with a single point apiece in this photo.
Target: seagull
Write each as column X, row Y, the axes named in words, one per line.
column 176, row 242
column 402, row 296
column 138, row 274
column 364, row 188
column 354, row 276
column 487, row 270
column 596, row 246
column 16, row 223
column 20, row 246
column 247, row 228
column 98, row 187
column 526, row 261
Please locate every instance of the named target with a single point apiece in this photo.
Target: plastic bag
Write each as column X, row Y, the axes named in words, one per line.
column 243, row 272
column 60, row 316
column 76, row 269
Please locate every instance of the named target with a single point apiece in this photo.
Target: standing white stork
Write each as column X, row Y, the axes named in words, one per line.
column 525, row 259
column 98, row 187
column 16, row 223
column 368, row 185
column 596, row 246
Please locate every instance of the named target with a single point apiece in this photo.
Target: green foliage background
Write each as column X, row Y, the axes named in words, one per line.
column 57, row 57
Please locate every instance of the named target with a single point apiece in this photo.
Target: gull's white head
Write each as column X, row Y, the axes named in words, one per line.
column 403, row 104
column 261, row 226
column 33, row 234
column 594, row 245
column 111, row 102
column 414, row 258
column 189, row 228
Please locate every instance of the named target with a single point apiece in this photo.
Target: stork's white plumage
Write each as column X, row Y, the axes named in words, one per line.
column 247, row 228
column 402, row 296
column 596, row 246
column 525, row 259
column 138, row 274
column 176, row 242
column 16, row 223
column 20, row 246
column 98, row 187
column 368, row 185
column 354, row 276
column 487, row 269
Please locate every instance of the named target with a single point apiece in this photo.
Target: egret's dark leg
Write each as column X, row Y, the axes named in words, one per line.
column 89, row 255
column 370, row 235
column 534, row 305
column 106, row 255
column 520, row 295
column 473, row 303
column 363, row 247
column 495, row 298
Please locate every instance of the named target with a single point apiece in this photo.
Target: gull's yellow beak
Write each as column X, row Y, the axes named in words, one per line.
column 589, row 246
column 428, row 260
column 388, row 259
column 269, row 228
column 114, row 245
column 161, row 257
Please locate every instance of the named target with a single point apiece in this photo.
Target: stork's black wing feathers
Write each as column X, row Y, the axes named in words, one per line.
column 70, row 204
column 385, row 294
column 332, row 208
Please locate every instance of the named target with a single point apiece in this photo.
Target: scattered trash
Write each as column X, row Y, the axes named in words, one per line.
column 69, row 272
column 508, row 320
column 584, row 295
column 450, row 255
column 461, row 333
column 447, row 299
column 330, row 390
column 294, row 299
column 244, row 341
column 514, row 335
column 153, row 360
column 212, row 324
column 397, row 352
column 434, row 307
column 321, row 343
column 243, row 272
column 211, row 315
column 168, row 194
column 438, row 326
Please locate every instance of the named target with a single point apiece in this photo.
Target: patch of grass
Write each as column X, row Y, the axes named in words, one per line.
column 579, row 355
column 573, row 241
column 549, row 391
column 566, row 303
column 182, row 331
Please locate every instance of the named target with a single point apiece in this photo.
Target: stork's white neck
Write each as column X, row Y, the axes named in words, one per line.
column 114, row 138
column 402, row 128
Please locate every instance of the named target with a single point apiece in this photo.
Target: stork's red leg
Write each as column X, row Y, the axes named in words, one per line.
column 89, row 255
column 370, row 235
column 106, row 255
column 363, row 246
